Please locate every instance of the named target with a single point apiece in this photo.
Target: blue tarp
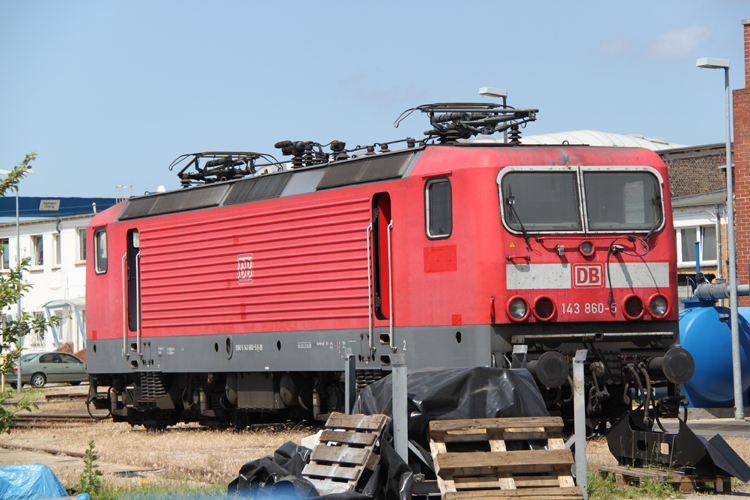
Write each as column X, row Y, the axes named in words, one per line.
column 27, row 482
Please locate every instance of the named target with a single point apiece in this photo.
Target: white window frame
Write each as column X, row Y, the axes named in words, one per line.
column 678, row 242
column 36, row 240
column 81, row 245
column 56, row 250
column 5, row 254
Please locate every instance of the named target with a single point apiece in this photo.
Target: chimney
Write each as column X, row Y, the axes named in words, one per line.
column 741, row 159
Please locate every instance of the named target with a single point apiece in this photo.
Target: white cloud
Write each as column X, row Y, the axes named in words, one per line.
column 615, row 47
column 678, row 44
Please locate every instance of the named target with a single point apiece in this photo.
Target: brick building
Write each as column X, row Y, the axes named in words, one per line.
column 741, row 158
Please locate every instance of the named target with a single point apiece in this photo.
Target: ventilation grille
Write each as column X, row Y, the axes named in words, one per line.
column 178, row 201
column 153, row 386
column 369, row 169
column 257, row 188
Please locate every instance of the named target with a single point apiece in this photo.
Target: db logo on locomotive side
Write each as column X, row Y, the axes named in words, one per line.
column 245, row 268
column 588, row 275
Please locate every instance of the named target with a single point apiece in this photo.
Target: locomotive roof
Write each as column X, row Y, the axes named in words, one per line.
column 359, row 170
column 297, row 181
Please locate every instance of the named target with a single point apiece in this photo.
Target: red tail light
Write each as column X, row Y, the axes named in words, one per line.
column 632, row 307
column 544, row 308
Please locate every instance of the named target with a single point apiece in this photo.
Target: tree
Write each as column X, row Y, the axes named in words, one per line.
column 12, row 288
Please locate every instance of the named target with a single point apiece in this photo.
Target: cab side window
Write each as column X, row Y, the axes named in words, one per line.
column 438, row 208
column 100, row 250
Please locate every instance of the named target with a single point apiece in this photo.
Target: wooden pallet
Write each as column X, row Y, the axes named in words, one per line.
column 499, row 473
column 679, row 480
column 346, row 450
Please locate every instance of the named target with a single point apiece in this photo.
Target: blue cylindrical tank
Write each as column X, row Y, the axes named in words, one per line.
column 705, row 331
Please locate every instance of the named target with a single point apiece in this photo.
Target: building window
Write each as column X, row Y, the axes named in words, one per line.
column 686, row 238
column 57, row 249
column 36, row 339
column 81, row 245
column 37, row 248
column 438, row 208
column 100, row 250
column 5, row 257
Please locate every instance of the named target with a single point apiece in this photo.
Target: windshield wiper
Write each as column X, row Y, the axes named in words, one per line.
column 511, row 201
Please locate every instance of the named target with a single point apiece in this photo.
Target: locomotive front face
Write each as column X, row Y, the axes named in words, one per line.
column 589, row 262
column 581, row 246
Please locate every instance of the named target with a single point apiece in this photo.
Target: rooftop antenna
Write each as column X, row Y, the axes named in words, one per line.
column 121, row 191
column 497, row 93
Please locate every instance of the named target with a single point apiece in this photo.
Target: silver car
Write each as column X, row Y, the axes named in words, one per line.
column 39, row 368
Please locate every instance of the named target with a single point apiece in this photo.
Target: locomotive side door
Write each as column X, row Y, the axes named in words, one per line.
column 132, row 291
column 382, row 284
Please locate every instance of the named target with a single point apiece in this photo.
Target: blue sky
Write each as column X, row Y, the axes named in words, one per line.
column 109, row 93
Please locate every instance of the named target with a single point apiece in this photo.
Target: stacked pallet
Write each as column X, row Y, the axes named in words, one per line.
column 346, row 452
column 501, row 458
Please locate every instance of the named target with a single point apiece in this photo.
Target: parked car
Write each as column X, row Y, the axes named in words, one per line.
column 39, row 368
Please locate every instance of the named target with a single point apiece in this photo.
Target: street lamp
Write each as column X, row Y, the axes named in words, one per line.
column 739, row 410
column 55, row 285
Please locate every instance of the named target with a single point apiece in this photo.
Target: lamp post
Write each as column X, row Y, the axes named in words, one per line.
column 55, row 285
column 739, row 410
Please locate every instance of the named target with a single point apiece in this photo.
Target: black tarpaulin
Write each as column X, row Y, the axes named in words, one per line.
column 456, row 393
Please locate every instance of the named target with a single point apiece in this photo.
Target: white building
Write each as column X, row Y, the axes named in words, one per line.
column 57, row 273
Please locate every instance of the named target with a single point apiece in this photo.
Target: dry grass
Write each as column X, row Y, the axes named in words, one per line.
column 179, row 454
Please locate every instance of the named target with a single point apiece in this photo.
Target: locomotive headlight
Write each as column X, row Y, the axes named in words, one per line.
column 518, row 308
column 586, row 248
column 658, row 305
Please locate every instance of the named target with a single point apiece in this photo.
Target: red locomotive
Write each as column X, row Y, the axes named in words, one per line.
column 233, row 299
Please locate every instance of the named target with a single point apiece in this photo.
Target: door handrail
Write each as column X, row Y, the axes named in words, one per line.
column 390, row 285
column 138, row 300
column 369, row 286
column 124, row 305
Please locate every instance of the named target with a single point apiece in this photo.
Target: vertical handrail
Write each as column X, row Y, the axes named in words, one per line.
column 390, row 286
column 138, row 300
column 124, row 305
column 369, row 286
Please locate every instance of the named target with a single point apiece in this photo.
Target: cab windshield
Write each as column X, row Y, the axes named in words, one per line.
column 581, row 200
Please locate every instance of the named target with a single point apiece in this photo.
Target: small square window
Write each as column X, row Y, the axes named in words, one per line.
column 686, row 238
column 100, row 250
column 438, row 208
column 37, row 248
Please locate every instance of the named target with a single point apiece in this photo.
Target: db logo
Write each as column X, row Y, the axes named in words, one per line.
column 245, row 268
column 588, row 275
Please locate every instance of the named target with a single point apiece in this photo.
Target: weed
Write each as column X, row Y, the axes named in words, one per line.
column 90, row 479
column 604, row 487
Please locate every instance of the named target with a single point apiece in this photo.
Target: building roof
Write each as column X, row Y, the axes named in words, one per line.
column 694, row 200
column 596, row 138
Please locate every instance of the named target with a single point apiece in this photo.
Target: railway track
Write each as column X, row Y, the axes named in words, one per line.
column 52, row 420
column 65, row 396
